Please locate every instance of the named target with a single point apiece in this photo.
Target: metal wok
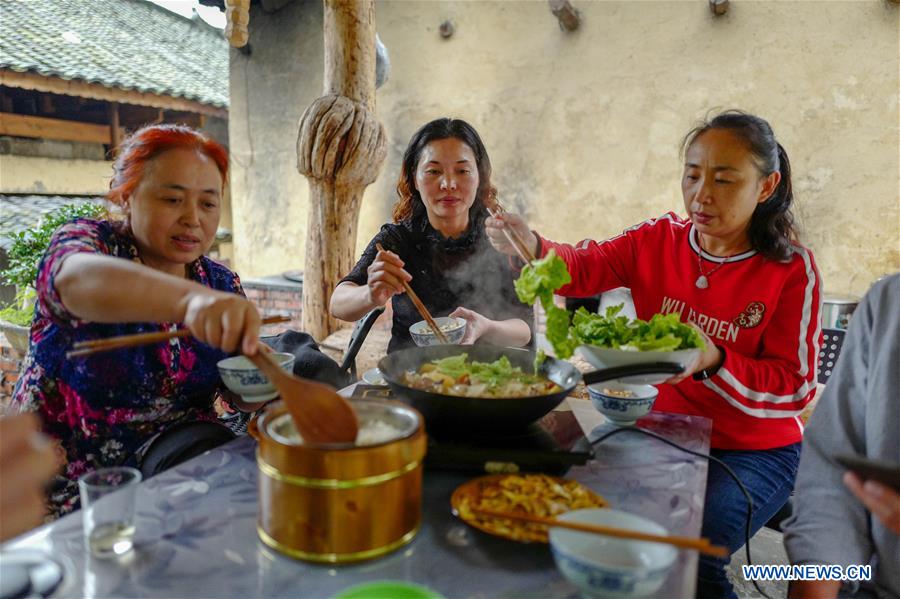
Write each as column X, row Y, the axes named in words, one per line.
column 466, row 415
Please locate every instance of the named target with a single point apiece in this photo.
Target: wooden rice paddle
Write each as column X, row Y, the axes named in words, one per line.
column 319, row 413
column 95, row 346
column 420, row 306
column 702, row 545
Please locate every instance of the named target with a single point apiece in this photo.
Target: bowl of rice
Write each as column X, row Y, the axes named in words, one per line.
column 453, row 328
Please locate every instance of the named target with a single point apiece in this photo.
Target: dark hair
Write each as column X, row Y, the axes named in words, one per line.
column 409, row 203
column 772, row 229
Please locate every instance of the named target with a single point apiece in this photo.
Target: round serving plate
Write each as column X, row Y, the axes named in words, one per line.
column 531, row 488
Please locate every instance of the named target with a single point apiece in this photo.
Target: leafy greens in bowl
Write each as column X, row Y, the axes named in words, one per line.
column 662, row 333
column 609, row 340
column 654, row 340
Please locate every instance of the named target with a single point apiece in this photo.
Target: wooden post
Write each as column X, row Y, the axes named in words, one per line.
column 115, row 132
column 340, row 149
column 237, row 20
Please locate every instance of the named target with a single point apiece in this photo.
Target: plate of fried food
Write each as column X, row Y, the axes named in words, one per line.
column 533, row 494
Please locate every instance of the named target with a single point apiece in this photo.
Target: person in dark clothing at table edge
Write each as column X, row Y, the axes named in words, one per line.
column 437, row 243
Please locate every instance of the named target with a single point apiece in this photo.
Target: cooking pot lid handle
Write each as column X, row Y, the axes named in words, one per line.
column 608, row 374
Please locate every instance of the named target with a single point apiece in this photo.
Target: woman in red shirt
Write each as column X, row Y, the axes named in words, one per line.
column 733, row 268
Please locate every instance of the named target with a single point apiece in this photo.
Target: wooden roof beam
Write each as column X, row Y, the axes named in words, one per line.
column 95, row 91
column 20, row 125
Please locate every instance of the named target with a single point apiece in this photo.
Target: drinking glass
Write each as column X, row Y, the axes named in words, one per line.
column 107, row 506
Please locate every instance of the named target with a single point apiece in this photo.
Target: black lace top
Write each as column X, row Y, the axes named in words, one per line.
column 447, row 273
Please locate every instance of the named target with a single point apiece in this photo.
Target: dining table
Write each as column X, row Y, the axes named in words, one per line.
column 196, row 528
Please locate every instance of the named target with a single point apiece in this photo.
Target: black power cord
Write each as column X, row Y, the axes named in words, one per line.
column 705, row 456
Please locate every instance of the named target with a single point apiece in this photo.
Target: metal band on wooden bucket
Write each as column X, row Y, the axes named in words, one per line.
column 332, row 483
column 335, row 558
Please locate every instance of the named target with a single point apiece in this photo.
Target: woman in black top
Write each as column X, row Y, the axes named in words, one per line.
column 437, row 243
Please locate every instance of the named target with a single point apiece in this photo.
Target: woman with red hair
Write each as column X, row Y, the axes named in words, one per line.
column 148, row 272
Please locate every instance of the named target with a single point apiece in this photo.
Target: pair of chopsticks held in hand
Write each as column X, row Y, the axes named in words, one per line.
column 512, row 235
column 96, row 346
column 423, row 311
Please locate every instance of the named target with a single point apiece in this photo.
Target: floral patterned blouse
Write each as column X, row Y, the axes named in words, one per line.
column 104, row 409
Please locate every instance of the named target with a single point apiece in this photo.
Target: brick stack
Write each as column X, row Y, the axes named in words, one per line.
column 272, row 299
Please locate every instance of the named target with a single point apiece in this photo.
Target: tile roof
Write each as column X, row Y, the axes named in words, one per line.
column 18, row 213
column 126, row 44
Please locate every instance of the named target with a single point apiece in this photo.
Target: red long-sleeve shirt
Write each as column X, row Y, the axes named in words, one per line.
column 764, row 313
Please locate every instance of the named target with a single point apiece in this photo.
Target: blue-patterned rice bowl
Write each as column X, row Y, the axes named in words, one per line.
column 608, row 398
column 242, row 377
column 602, row 566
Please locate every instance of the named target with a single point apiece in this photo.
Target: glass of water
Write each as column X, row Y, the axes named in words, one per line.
column 107, row 507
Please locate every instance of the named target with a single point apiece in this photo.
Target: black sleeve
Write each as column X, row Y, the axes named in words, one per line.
column 388, row 236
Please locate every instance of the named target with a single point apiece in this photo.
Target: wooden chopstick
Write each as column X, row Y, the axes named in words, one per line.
column 513, row 236
column 702, row 545
column 419, row 305
column 95, row 346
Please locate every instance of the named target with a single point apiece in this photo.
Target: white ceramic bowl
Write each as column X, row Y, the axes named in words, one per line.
column 608, row 399
column 606, row 357
column 607, row 566
column 373, row 376
column 453, row 328
column 241, row 376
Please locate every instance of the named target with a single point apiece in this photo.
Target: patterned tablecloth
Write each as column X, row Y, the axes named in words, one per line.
column 197, row 536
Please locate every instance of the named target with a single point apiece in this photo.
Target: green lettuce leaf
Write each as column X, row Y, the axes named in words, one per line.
column 454, row 366
column 493, row 374
column 541, row 278
column 538, row 281
column 663, row 332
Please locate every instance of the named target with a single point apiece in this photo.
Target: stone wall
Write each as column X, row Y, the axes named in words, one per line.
column 583, row 128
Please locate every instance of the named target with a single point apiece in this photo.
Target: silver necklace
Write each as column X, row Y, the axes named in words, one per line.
column 702, row 281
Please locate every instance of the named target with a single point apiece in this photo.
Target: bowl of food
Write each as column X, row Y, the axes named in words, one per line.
column 454, row 329
column 608, row 357
column 241, row 376
column 602, row 566
column 477, row 390
column 610, row 340
column 373, row 376
column 529, row 494
column 622, row 403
